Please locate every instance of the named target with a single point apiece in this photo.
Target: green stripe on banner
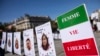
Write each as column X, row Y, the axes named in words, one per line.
column 73, row 17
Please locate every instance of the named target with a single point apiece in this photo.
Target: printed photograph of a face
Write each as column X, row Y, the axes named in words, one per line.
column 45, row 42
column 9, row 43
column 16, row 44
column 3, row 41
column 28, row 44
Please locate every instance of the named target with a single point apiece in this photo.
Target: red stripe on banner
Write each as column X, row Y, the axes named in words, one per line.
column 80, row 47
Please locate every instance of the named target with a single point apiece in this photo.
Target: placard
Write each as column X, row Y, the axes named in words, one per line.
column 17, row 43
column 3, row 40
column 45, row 40
column 98, row 26
column 28, row 37
column 9, row 42
column 76, row 33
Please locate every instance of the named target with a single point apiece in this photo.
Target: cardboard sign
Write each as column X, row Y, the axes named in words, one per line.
column 76, row 33
column 17, row 43
column 45, row 40
column 3, row 40
column 28, row 37
column 9, row 42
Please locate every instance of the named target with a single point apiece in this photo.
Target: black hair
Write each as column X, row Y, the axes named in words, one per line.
column 28, row 39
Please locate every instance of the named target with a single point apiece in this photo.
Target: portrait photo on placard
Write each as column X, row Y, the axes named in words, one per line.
column 28, row 44
column 45, row 42
column 16, row 44
column 9, row 43
column 3, row 42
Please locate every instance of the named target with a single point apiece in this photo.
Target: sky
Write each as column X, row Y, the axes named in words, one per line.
column 10, row 10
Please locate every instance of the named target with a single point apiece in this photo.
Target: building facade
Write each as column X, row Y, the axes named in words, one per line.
column 28, row 21
column 96, row 15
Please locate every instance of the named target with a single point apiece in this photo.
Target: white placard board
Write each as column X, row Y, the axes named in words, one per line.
column 45, row 40
column 17, row 43
column 9, row 42
column 3, row 40
column 98, row 26
column 28, row 37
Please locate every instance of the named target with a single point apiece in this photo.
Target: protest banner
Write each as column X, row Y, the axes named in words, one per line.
column 45, row 40
column 28, row 37
column 17, row 43
column 9, row 42
column 76, row 32
column 3, row 40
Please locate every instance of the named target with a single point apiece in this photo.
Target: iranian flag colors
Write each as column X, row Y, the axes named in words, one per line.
column 76, row 33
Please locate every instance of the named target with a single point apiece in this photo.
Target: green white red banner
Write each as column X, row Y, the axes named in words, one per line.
column 76, row 33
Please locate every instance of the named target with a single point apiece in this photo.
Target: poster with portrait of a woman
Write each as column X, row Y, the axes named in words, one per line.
column 17, row 43
column 28, row 38
column 3, row 40
column 9, row 42
column 45, row 40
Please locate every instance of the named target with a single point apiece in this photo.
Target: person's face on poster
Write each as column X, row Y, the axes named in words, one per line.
column 28, row 44
column 9, row 43
column 16, row 44
column 45, row 44
column 3, row 41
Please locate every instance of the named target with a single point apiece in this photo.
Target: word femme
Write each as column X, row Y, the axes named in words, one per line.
column 72, row 16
